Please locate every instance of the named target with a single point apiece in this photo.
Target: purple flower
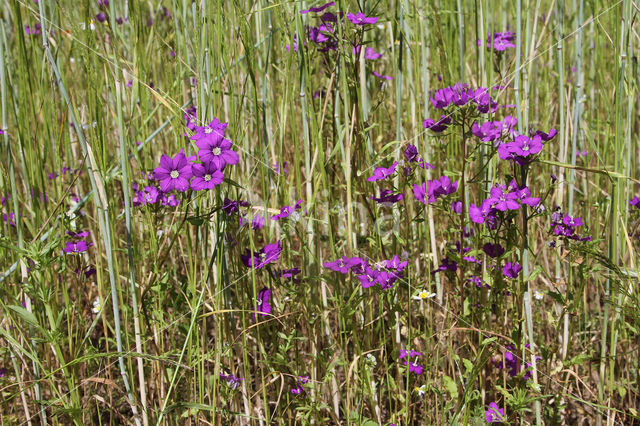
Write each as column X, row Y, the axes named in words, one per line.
column 493, row 250
column 572, row 222
column 76, row 247
column 408, row 353
column 213, row 146
column 494, row 414
column 411, row 153
column 360, row 19
column 524, row 196
column 82, row 234
column 300, row 382
column 169, row 200
column 232, row 206
column 257, row 222
column 635, row 202
column 547, row 136
column 101, row 17
column 511, row 270
column 382, row 172
column 387, row 197
column 317, row 9
column 456, row 207
column 205, row 176
column 501, row 41
column 369, row 53
column 420, row 192
column 414, row 367
column 345, row 264
column 382, row 77
column 288, row 273
column 502, row 200
column 262, row 257
column 444, row 186
column 396, row 263
column 263, row 307
column 460, row 94
column 173, row 173
column 439, row 126
column 231, row 380
column 286, row 211
column 446, row 265
column 216, row 151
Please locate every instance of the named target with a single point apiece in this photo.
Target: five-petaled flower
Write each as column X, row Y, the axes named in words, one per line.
column 173, row 173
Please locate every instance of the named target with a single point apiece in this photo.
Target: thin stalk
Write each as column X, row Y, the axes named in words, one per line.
column 424, row 66
column 577, row 114
column 126, row 184
column 617, row 200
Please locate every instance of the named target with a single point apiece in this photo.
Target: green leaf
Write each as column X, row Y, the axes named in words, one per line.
column 451, row 387
column 26, row 316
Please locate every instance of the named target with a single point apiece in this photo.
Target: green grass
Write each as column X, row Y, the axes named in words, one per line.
column 176, row 298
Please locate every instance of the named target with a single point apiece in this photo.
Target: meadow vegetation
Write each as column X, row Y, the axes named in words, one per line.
column 358, row 212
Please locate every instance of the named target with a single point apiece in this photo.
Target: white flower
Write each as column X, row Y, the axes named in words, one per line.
column 372, row 360
column 538, row 295
column 423, row 295
column 97, row 306
column 421, row 390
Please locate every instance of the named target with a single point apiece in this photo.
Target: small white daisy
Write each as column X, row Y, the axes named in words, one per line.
column 97, row 306
column 422, row 295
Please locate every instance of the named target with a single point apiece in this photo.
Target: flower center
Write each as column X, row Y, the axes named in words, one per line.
column 208, row 130
column 207, row 178
column 216, row 151
column 174, row 174
column 525, row 147
column 424, row 295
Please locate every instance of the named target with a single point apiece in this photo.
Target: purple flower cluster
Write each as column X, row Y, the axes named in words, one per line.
column 150, row 195
column 566, row 226
column 261, row 258
column 325, row 37
column 494, row 130
column 414, row 367
column 299, row 386
column 32, row 31
column 513, row 364
column 500, row 41
column 635, row 202
column 63, row 171
column 430, row 191
column 387, row 198
column 501, row 198
column 215, row 153
column 460, row 94
column 384, row 273
column 233, row 206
